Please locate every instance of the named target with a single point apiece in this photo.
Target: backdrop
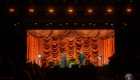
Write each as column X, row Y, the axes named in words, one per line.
column 52, row 43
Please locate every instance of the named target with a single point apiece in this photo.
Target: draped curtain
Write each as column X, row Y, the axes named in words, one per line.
column 52, row 43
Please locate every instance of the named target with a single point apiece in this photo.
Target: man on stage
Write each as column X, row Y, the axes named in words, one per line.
column 63, row 60
column 81, row 58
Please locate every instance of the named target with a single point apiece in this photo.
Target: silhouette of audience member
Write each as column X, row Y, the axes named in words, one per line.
column 31, row 70
column 18, row 65
column 8, row 71
column 37, row 72
column 23, row 75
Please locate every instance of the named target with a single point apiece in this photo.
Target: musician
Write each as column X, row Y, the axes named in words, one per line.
column 43, row 60
column 81, row 58
column 63, row 60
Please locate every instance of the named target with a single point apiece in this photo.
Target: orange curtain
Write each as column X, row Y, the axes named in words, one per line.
column 52, row 47
column 34, row 48
column 106, row 49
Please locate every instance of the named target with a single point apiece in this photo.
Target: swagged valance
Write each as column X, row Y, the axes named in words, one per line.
column 101, row 34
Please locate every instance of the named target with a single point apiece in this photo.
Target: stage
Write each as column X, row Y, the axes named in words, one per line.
column 52, row 43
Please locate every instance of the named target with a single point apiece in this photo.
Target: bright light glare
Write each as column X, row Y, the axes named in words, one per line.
column 128, row 10
column 11, row 10
column 70, row 10
column 51, row 10
column 31, row 10
column 109, row 10
column 90, row 11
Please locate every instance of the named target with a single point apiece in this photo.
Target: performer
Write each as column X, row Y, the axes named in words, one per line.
column 43, row 60
column 63, row 60
column 81, row 58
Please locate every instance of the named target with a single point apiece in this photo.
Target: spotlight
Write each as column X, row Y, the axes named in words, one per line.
column 125, row 24
column 35, row 23
column 75, row 23
column 47, row 24
column 15, row 24
column 106, row 23
column 60, row 24
column 131, row 1
column 76, row 1
column 90, row 23
column 31, row 10
column 93, row 24
column 50, row 23
column 89, row 11
column 51, row 10
column 11, row 10
column 82, row 24
column 70, row 10
column 66, row 23
column 109, row 10
column 111, row 24
column 128, row 10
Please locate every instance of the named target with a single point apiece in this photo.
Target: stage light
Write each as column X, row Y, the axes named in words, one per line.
column 128, row 10
column 70, row 10
column 15, row 24
column 31, row 1
column 90, row 23
column 47, row 24
column 50, row 23
column 111, row 24
column 109, row 10
column 35, row 23
column 93, row 24
column 60, row 24
column 76, row 1
column 89, row 11
column 106, row 23
column 11, row 10
column 31, row 10
column 51, row 10
column 18, row 23
column 83, row 24
column 131, row 1
column 66, row 23
column 75, row 23
column 125, row 24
